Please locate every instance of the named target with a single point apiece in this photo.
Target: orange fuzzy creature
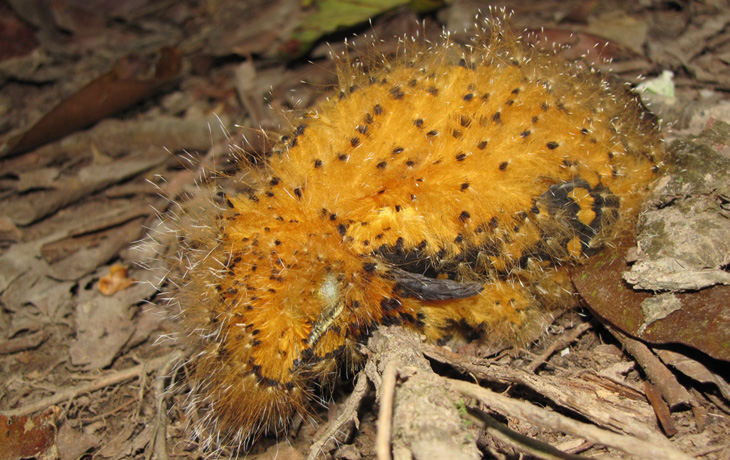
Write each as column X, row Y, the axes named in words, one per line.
column 446, row 191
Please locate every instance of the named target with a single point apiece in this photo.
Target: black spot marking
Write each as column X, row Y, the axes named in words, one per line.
column 497, row 117
column 369, row 267
column 482, row 145
column 390, row 304
column 317, row 163
column 465, row 121
column 355, row 141
column 418, row 122
column 391, row 321
column 298, row 192
column 432, row 90
column 362, row 129
column 343, row 157
column 461, row 157
column 456, row 133
column 464, row 186
column 464, row 216
column 432, row 133
column 378, row 109
column 396, row 92
column 525, row 133
column 503, row 165
column 382, row 165
column 552, row 145
column 468, row 97
column 274, row 181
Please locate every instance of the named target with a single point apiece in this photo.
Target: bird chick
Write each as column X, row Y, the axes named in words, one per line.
column 445, row 190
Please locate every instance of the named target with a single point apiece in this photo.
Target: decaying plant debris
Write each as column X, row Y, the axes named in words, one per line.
column 93, row 372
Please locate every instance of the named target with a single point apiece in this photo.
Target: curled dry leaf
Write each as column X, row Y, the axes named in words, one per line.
column 116, row 280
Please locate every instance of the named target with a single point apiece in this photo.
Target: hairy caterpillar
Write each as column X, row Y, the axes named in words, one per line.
column 445, row 190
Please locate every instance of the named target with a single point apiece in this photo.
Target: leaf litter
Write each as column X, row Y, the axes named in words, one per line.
column 72, row 208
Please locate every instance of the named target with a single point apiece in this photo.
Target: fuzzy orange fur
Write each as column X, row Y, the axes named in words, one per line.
column 483, row 164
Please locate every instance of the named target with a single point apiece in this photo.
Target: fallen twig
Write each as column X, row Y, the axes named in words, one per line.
column 553, row 421
column 385, row 415
column 560, row 343
column 348, row 414
column 535, row 448
column 27, row 342
column 672, row 391
column 158, row 443
column 102, row 382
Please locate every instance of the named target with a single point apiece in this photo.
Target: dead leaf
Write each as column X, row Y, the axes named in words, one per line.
column 702, row 321
column 30, row 207
column 694, row 369
column 74, row 257
column 117, row 280
column 73, row 443
column 24, row 437
column 104, row 326
column 128, row 83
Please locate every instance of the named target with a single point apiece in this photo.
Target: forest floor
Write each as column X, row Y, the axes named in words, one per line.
column 112, row 111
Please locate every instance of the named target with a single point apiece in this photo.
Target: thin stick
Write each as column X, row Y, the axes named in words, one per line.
column 519, row 441
column 385, row 416
column 160, row 434
column 347, row 415
column 673, row 392
column 102, row 382
column 27, row 342
column 554, row 421
column 558, row 344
